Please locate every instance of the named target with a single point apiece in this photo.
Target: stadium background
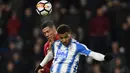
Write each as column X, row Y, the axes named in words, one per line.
column 103, row 25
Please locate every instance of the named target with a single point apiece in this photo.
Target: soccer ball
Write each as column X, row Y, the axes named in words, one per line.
column 44, row 7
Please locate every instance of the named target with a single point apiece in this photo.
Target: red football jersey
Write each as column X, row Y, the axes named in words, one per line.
column 48, row 65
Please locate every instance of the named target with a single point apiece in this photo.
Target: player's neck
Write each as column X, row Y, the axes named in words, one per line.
column 67, row 45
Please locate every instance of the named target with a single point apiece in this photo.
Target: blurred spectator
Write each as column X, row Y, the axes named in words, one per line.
column 82, row 65
column 56, row 13
column 71, row 18
column 119, row 67
column 26, row 33
column 39, row 41
column 16, row 6
column 119, row 64
column 80, row 32
column 119, row 61
column 117, row 14
column 28, row 23
column 36, row 32
column 117, row 70
column 19, row 43
column 92, row 4
column 83, row 3
column 35, row 64
column 56, row 17
column 96, row 68
column 116, row 49
column 1, row 21
column 11, row 49
column 16, row 58
column 13, row 27
column 37, row 51
column 126, row 37
column 99, row 32
column 10, row 67
column 5, row 12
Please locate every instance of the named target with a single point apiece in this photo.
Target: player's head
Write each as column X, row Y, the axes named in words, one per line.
column 49, row 29
column 64, row 32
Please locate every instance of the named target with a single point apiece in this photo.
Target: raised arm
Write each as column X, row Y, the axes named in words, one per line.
column 95, row 55
column 47, row 58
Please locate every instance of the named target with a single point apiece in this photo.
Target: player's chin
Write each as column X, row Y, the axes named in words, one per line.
column 48, row 38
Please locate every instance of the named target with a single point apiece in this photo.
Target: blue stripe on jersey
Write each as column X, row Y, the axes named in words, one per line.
column 53, row 52
column 73, row 58
column 53, row 47
column 76, row 66
column 71, row 63
column 59, row 66
column 83, row 49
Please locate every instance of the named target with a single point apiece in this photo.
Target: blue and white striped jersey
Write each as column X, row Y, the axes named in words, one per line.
column 66, row 58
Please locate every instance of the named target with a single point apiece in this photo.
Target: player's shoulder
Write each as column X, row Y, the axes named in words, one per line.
column 74, row 41
column 78, row 43
column 57, row 42
column 46, row 44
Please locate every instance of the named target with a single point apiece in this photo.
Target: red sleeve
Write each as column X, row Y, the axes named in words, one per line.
column 45, row 48
column 48, row 65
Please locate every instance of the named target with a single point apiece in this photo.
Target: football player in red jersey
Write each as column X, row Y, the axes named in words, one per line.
column 49, row 31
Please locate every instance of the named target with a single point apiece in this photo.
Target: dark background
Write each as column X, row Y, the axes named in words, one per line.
column 103, row 25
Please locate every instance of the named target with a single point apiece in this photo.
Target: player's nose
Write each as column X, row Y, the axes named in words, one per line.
column 47, row 35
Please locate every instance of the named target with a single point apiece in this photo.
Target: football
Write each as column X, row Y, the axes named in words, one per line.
column 44, row 7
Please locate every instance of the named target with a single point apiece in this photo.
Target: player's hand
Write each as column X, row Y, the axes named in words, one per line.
column 39, row 67
column 51, row 40
column 40, row 70
column 50, row 43
column 108, row 57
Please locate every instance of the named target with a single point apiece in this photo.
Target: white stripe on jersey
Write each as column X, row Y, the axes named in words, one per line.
column 75, row 65
column 71, row 52
column 85, row 48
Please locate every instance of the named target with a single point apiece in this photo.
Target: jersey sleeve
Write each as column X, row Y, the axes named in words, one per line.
column 83, row 49
column 45, row 48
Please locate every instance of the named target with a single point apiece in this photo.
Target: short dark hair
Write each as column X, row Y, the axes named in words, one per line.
column 63, row 29
column 47, row 24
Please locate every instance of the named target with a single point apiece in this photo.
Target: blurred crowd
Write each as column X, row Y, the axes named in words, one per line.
column 103, row 25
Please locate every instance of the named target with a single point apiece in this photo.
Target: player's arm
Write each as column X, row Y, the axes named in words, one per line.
column 95, row 55
column 100, row 57
column 47, row 58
